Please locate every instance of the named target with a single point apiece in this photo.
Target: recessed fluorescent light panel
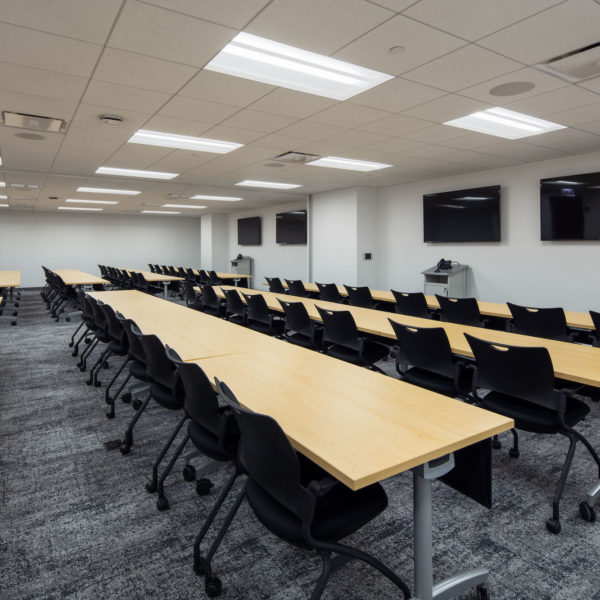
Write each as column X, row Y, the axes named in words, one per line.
column 504, row 123
column 4, row 205
column 3, row 197
column 219, row 198
column 182, row 206
column 183, row 142
column 0, row 161
column 335, row 162
column 257, row 58
column 91, row 201
column 161, row 212
column 268, row 184
column 76, row 208
column 135, row 173
column 92, row 190
column 2, row 183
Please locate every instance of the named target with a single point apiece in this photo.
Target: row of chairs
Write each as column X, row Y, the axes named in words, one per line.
column 9, row 304
column 290, row 495
column 203, row 276
column 58, row 296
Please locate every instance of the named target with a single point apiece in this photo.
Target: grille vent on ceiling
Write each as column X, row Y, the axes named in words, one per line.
column 574, row 66
column 297, row 158
column 33, row 122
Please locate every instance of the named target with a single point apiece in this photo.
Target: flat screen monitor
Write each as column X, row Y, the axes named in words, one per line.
column 471, row 215
column 570, row 207
column 290, row 227
column 249, row 231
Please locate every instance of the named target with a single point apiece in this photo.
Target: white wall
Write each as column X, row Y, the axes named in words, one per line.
column 287, row 261
column 520, row 268
column 214, row 245
column 81, row 241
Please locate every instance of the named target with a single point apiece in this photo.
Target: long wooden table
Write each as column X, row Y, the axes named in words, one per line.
column 157, row 278
column 359, row 425
column 574, row 362
column 579, row 320
column 11, row 280
column 236, row 277
column 77, row 277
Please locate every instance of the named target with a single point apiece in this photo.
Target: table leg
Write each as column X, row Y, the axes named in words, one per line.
column 424, row 588
column 165, row 286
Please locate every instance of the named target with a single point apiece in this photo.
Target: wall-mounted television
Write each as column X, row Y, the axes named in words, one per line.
column 290, row 227
column 471, row 215
column 249, row 231
column 570, row 207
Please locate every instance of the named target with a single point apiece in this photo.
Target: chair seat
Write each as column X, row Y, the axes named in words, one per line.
column 165, row 397
column 300, row 339
column 275, row 329
column 237, row 319
column 138, row 370
column 102, row 336
column 208, row 443
column 117, row 348
column 431, row 381
column 531, row 417
column 372, row 353
column 338, row 514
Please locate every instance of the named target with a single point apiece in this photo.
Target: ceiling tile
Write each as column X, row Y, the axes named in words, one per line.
column 446, row 108
column 168, row 35
column 561, row 99
column 349, row 115
column 291, row 103
column 395, row 5
column 134, row 156
column 40, row 50
column 435, row 134
column 180, row 161
column 190, row 109
column 87, row 126
column 117, row 96
column 232, row 13
column 464, row 67
column 279, row 143
column 355, row 138
column 399, row 145
column 37, row 105
column 593, row 127
column 308, row 24
column 421, row 44
column 591, row 84
column 468, row 141
column 396, row 125
column 81, row 159
column 258, row 121
column 577, row 116
column 472, row 19
column 568, row 140
column 178, row 126
column 520, row 150
column 570, row 25
column 311, row 130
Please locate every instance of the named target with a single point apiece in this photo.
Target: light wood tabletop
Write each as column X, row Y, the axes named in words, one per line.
column 10, row 278
column 226, row 275
column 76, row 277
column 579, row 320
column 155, row 277
column 574, row 362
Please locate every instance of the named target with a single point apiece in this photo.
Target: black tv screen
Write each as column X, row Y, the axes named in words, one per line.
column 249, row 231
column 462, row 216
column 570, row 207
column 290, row 227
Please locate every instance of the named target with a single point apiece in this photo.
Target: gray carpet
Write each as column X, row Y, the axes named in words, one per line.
column 77, row 523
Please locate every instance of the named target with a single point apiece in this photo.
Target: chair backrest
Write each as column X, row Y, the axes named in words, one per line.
column 213, row 278
column 340, row 328
column 86, row 305
column 523, row 372
column 425, row 347
column 296, row 317
column 296, row 287
column 460, row 310
column 165, row 270
column 359, row 296
column 152, row 267
column 115, row 328
column 136, row 351
column 411, row 303
column 188, row 293
column 99, row 317
column 190, row 275
column 257, row 308
column 209, row 297
column 159, row 367
column 596, row 331
column 235, row 304
column 329, row 292
column 541, row 322
column 157, row 269
column 275, row 285
column 181, row 272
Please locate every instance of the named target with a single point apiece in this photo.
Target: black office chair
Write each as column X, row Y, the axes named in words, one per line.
column 522, row 387
column 213, row 278
column 152, row 267
column 342, row 340
column 299, row 502
column 235, row 309
column 360, row 296
column 192, row 299
column 296, row 288
column 329, row 292
column 413, row 304
column 275, row 285
column 432, row 364
column 259, row 317
column 211, row 303
column 87, row 322
column 461, row 310
column 548, row 323
column 101, row 336
column 298, row 327
column 595, row 333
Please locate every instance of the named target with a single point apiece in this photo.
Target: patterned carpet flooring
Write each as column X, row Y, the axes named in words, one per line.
column 76, row 522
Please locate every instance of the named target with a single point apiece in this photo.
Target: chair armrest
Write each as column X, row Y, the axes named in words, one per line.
column 320, row 487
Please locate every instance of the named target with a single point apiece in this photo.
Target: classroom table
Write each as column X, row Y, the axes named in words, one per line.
column 578, row 320
column 235, row 277
column 77, row 277
column 574, row 362
column 10, row 280
column 158, row 278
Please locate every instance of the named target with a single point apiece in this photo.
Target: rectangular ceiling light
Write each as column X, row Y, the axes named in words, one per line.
column 182, row 206
column 4, row 205
column 2, row 183
column 504, row 123
column 76, row 208
column 161, row 212
column 135, row 173
column 0, row 161
column 92, row 201
column 3, row 197
column 268, row 184
column 92, row 190
column 335, row 162
column 260, row 59
column 183, row 142
column 219, row 198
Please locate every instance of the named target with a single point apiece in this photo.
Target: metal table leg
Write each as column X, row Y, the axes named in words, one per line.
column 165, row 286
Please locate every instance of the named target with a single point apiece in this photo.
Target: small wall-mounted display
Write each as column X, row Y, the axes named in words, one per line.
column 471, row 215
column 570, row 207
column 249, row 231
column 290, row 227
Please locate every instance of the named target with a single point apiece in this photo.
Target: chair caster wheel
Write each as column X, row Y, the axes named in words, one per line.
column 513, row 453
column 87, row 341
column 213, row 587
column 203, row 486
column 13, row 323
column 587, row 512
column 126, row 397
column 150, row 486
column 74, row 353
column 162, row 503
column 68, row 319
column 553, row 526
column 97, row 383
column 189, row 473
column 136, row 404
column 88, row 382
column 124, row 448
column 496, row 444
column 483, row 593
column 199, row 566
column 110, row 414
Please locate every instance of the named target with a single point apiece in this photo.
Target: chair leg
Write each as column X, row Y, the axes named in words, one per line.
column 514, row 451
column 587, row 444
column 72, row 342
column 93, row 378
column 81, row 338
column 553, row 524
column 161, row 502
column 82, row 364
column 323, row 578
column 112, row 381
column 121, row 387
column 127, row 442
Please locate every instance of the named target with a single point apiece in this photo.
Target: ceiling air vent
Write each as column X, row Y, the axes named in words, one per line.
column 35, row 122
column 574, row 66
column 296, row 158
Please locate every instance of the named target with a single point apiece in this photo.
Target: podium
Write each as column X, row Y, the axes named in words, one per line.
column 451, row 282
column 242, row 265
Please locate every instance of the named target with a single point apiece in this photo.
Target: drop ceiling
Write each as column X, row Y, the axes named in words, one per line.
column 143, row 60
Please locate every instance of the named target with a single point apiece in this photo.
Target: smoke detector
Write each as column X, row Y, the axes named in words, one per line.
column 34, row 122
column 296, row 158
column 111, row 120
column 574, row 66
